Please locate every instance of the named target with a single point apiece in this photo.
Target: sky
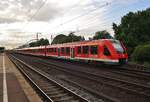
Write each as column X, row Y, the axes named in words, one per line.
column 20, row 20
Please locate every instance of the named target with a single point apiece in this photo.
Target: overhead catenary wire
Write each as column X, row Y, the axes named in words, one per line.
column 69, row 10
column 95, row 18
column 77, row 17
column 71, row 20
column 34, row 15
column 90, row 24
column 85, row 15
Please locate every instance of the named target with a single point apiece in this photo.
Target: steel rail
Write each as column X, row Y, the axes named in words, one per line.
column 90, row 74
column 53, row 81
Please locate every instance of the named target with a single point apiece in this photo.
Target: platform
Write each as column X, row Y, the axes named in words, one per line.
column 13, row 86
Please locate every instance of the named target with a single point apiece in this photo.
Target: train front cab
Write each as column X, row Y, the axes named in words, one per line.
column 116, row 51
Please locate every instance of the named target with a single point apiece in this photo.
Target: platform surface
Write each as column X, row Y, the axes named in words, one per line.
column 10, row 89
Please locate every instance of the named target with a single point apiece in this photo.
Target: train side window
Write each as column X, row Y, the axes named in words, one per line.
column 85, row 49
column 79, row 49
column 50, row 50
column 94, row 49
column 63, row 50
column 68, row 50
column 106, row 51
column 55, row 50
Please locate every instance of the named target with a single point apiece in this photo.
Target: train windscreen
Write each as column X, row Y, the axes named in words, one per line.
column 116, row 44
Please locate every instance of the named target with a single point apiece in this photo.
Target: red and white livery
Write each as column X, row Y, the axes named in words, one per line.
column 104, row 50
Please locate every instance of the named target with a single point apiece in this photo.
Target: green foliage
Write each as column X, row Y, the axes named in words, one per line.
column 59, row 39
column 134, row 29
column 39, row 42
column 141, row 54
column 102, row 35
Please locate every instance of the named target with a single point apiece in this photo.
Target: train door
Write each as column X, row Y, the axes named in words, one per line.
column 45, row 51
column 58, row 51
column 72, row 52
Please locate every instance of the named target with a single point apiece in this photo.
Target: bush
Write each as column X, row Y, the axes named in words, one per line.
column 141, row 54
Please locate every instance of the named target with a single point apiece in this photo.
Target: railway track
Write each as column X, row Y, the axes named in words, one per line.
column 126, row 73
column 130, row 87
column 135, row 74
column 125, row 86
column 138, row 67
column 50, row 90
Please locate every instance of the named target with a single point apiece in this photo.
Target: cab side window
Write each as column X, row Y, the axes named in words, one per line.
column 106, row 51
column 79, row 49
column 94, row 50
column 63, row 50
column 67, row 50
column 85, row 49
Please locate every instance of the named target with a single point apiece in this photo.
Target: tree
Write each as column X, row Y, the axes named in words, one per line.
column 39, row 42
column 141, row 54
column 43, row 42
column 73, row 38
column 134, row 29
column 59, row 39
column 102, row 35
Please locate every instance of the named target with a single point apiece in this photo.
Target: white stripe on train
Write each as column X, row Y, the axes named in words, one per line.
column 79, row 58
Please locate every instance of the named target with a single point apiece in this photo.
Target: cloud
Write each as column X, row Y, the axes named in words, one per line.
column 8, row 20
column 16, row 26
column 128, row 1
column 48, row 12
column 23, row 10
column 14, row 39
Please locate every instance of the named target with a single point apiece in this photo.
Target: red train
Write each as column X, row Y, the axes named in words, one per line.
column 104, row 50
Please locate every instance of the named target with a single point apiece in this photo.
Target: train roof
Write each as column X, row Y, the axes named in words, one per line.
column 88, row 42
